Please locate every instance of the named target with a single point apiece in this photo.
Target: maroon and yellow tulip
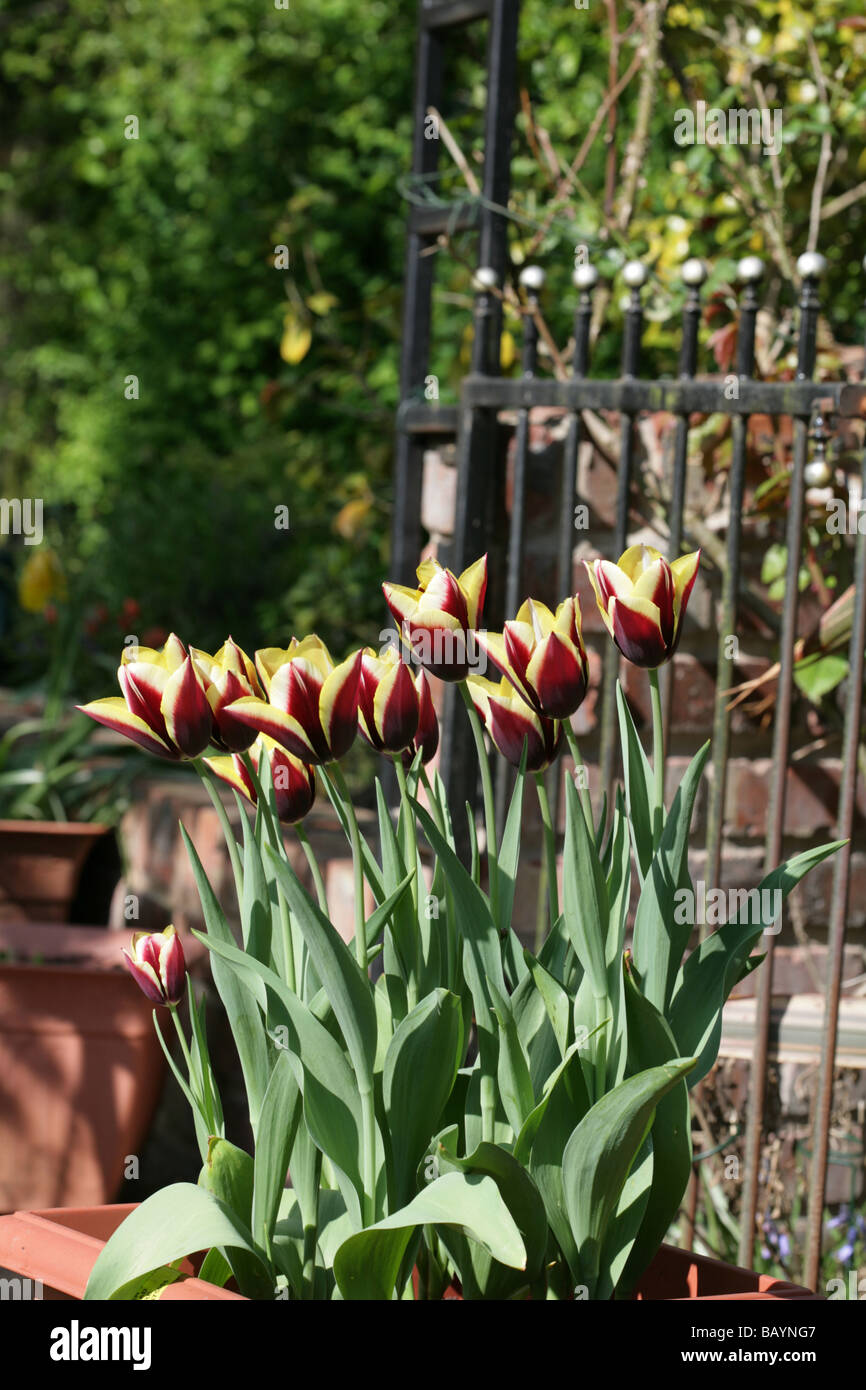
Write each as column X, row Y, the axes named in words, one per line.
column 510, row 721
column 387, row 701
column 294, row 781
column 435, row 620
column 312, row 704
column 157, row 965
column 642, row 600
column 228, row 676
column 164, row 708
column 542, row 654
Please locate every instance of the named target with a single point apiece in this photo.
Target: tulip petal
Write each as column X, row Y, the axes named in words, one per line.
column 473, row 582
column 557, row 674
column 143, row 685
column 493, row 646
column 268, row 662
column 338, row 705
column 145, row 977
column 401, row 601
column 276, row 724
column 637, row 631
column 636, row 559
column 395, row 708
column 656, row 583
column 232, row 771
column 427, row 737
column 172, row 966
column 684, row 571
column 115, row 714
column 444, row 595
column 187, row 714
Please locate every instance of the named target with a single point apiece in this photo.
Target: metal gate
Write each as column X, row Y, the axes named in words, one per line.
column 476, row 426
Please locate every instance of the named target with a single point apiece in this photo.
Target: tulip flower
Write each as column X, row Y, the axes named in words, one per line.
column 510, row 721
column 312, row 704
column 294, row 781
column 164, row 707
column 387, row 701
column 228, row 676
column 542, row 654
column 436, row 618
column 157, row 965
column 642, row 600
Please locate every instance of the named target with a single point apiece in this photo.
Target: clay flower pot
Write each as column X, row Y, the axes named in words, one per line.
column 81, row 1068
column 40, row 864
column 680, row 1274
column 57, row 1248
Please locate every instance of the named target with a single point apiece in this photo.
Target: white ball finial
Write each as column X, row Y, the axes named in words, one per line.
column 585, row 276
column 532, row 277
column 635, row 274
column 817, row 473
column 750, row 269
column 811, row 265
column 694, row 272
column 485, row 278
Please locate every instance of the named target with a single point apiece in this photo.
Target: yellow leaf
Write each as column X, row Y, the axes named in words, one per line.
column 296, row 339
column 322, row 302
column 507, row 351
column 350, row 519
column 41, row 580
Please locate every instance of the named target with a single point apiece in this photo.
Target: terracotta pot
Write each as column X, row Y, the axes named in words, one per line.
column 679, row 1274
column 59, row 1247
column 81, row 1068
column 40, row 864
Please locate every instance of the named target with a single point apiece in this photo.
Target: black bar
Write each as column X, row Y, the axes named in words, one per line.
column 794, row 398
column 450, row 13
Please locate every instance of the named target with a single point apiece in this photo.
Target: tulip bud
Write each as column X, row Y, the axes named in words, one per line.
column 542, row 655
column 157, row 965
column 438, row 619
column 387, row 702
column 511, row 722
column 642, row 600
column 294, row 781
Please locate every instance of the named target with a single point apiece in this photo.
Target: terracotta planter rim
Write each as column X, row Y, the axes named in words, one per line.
column 54, row 827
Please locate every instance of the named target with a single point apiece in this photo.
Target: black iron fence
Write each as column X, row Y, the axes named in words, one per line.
column 476, row 424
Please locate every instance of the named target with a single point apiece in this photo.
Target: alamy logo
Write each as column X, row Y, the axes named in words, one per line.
column 715, row 907
column 22, row 518
column 77, row 1343
column 19, row 1289
column 743, row 126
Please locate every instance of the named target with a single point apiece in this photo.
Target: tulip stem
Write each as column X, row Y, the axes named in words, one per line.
column 489, row 803
column 279, row 846
column 581, row 774
column 658, row 759
column 206, row 776
column 410, row 841
column 335, row 775
column 549, row 852
column 204, row 1109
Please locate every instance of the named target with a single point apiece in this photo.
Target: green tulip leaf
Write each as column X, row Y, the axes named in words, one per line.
column 366, row 1265
column 169, row 1226
column 714, row 967
column 419, row 1073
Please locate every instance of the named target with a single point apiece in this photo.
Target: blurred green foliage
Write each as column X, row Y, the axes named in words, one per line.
column 261, row 127
column 154, row 257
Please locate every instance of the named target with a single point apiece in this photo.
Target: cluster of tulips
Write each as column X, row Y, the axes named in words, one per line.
column 303, row 709
column 516, row 1121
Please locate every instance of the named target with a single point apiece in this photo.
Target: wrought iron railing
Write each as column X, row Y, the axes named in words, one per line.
column 477, row 422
